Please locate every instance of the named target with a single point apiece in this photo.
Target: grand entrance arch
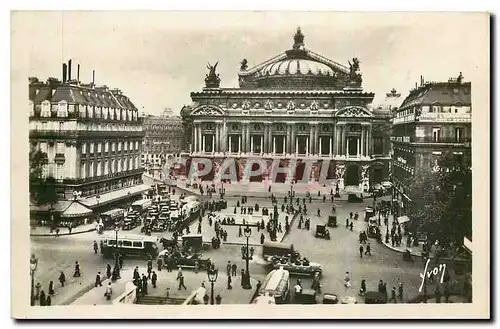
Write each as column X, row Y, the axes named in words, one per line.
column 352, row 176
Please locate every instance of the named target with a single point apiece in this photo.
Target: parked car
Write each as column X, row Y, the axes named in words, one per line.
column 298, row 267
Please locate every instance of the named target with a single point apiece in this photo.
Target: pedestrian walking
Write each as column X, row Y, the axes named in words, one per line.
column 347, row 222
column 150, row 269
column 77, row 270
column 108, row 271
column 262, row 238
column 38, row 287
column 159, row 263
column 362, row 290
column 199, row 228
column 51, row 288
column 98, row 280
column 437, row 294
column 96, row 247
column 62, row 278
column 351, row 226
column 347, row 280
column 400, row 291
column 120, row 260
column 108, row 292
column 154, row 278
column 144, row 284
column 393, row 295
column 368, row 249
column 218, row 299
column 48, row 301
column 385, row 290
column 57, row 232
column 229, row 280
column 228, row 268
column 42, row 298
column 361, row 251
column 239, row 232
column 180, row 278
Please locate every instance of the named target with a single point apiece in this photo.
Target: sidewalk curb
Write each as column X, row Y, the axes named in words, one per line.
column 63, row 234
column 72, row 298
column 419, row 255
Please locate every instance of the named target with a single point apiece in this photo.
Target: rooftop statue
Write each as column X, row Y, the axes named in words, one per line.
column 354, row 73
column 244, row 64
column 298, row 39
column 212, row 80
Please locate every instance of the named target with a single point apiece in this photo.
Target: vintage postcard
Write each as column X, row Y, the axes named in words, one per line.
column 250, row 165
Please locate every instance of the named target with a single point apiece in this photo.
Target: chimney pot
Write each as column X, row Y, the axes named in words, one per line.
column 69, row 69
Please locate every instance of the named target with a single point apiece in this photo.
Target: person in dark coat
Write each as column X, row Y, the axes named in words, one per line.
column 437, row 295
column 48, row 301
column 385, row 290
column 393, row 295
column 262, row 238
column 400, row 291
column 234, row 269
column 229, row 280
column 62, row 278
column 362, row 290
column 361, row 249
column 381, row 286
column 51, row 288
column 154, row 278
column 98, row 280
column 144, row 284
column 136, row 272
column 218, row 299
column 108, row 271
column 120, row 260
column 77, row 270
column 42, row 298
column 347, row 222
column 159, row 263
column 351, row 226
column 96, row 247
column 368, row 249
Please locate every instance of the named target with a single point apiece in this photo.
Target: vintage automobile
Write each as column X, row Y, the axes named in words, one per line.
column 330, row 298
column 308, row 296
column 332, row 221
column 369, row 213
column 299, row 267
column 375, row 297
column 322, row 232
column 188, row 261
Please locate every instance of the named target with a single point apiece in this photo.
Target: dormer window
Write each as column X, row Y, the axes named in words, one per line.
column 32, row 109
column 45, row 109
column 62, row 109
column 82, row 111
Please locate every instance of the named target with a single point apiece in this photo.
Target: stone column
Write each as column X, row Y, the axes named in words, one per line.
column 262, row 144
column 358, row 148
column 274, row 145
column 224, row 137
column 242, row 140
column 247, row 139
column 369, row 142
column 347, row 146
column 264, row 140
column 315, row 139
column 217, row 126
column 200, row 138
column 307, row 146
column 213, row 144
column 229, row 144
column 320, row 147
column 311, row 138
column 195, row 139
column 251, row 144
column 331, row 143
column 296, row 146
column 334, row 135
column 363, row 129
column 239, row 143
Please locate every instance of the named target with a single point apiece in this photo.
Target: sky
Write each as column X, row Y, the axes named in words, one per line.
column 158, row 58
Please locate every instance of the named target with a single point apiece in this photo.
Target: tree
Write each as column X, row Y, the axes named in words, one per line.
column 442, row 200
column 42, row 190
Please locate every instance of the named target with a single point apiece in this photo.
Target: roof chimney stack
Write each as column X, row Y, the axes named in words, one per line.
column 64, row 72
column 78, row 74
column 93, row 77
column 69, row 70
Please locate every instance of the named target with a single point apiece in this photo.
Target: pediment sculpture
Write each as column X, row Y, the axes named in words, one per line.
column 207, row 111
column 353, row 111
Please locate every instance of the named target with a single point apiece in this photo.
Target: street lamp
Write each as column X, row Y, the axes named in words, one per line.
column 117, row 228
column 33, row 267
column 246, row 279
column 212, row 274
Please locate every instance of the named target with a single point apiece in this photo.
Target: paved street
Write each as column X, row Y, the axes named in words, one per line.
column 338, row 255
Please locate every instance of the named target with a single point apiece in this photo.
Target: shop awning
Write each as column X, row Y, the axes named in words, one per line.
column 75, row 209
column 115, row 195
column 403, row 219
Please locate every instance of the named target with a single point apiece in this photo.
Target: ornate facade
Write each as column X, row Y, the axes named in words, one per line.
column 298, row 106
column 92, row 137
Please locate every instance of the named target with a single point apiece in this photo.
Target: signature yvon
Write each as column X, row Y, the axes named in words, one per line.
column 432, row 272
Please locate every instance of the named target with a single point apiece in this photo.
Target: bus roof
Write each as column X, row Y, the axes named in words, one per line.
column 275, row 280
column 113, row 211
column 132, row 237
column 272, row 244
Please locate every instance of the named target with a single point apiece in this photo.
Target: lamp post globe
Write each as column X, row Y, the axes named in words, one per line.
column 33, row 267
column 212, row 274
column 246, row 279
